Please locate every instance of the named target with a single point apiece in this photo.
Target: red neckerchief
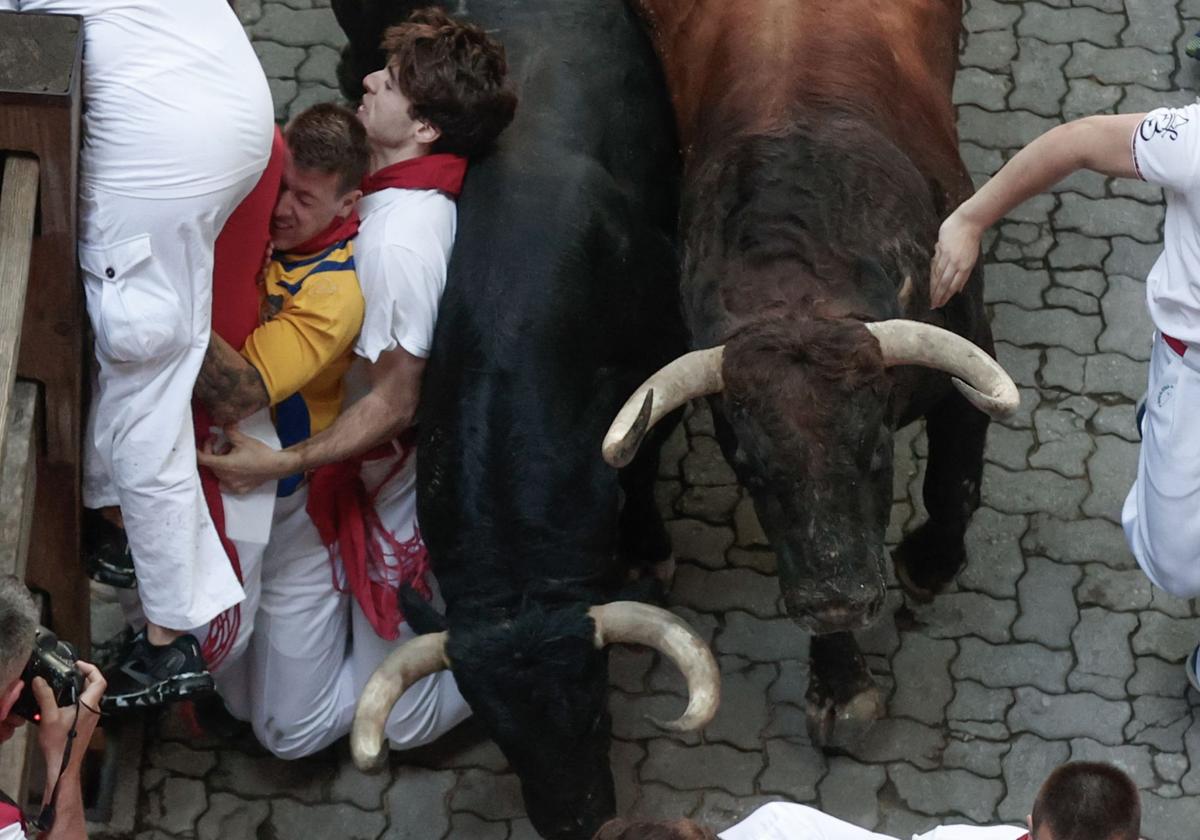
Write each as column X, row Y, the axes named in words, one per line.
column 443, row 172
column 338, row 230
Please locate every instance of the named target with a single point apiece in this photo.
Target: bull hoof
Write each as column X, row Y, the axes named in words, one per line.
column 927, row 560
column 834, row 726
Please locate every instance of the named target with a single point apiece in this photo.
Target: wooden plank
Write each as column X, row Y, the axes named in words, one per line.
column 18, row 201
column 18, row 479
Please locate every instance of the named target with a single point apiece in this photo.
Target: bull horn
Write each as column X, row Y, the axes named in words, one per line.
column 692, row 375
column 977, row 376
column 634, row 623
column 408, row 663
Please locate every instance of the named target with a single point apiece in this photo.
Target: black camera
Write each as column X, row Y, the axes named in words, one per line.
column 53, row 661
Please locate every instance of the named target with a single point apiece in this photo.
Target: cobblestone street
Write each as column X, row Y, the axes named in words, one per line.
column 1052, row 645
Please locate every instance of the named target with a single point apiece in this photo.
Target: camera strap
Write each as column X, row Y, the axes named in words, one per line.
column 44, row 821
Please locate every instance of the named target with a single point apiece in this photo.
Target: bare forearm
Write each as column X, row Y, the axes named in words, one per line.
column 69, row 820
column 229, row 386
column 364, row 425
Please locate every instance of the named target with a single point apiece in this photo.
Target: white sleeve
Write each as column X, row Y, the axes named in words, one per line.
column 1166, row 147
column 402, row 292
column 12, row 831
column 9, row 6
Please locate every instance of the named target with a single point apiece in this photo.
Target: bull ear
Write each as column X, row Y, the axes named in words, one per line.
column 419, row 613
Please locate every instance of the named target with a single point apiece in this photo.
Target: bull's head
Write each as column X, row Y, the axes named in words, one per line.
column 812, row 442
column 539, row 681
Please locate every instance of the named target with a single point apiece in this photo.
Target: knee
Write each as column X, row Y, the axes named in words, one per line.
column 427, row 711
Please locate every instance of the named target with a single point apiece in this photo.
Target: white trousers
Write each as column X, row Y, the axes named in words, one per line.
column 313, row 651
column 147, row 273
column 1161, row 514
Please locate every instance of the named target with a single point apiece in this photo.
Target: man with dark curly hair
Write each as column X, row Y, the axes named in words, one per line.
column 442, row 97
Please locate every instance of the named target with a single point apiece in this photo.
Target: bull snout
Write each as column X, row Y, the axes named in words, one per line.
column 824, row 614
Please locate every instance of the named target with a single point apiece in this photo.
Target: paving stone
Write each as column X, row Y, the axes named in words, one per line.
column 1191, row 742
column 711, row 504
column 1086, row 97
column 1064, row 443
column 1130, row 258
column 724, row 590
column 297, row 28
column 1021, row 363
column 980, row 160
column 1165, row 819
column 923, row 686
column 1113, row 589
column 979, row 87
column 1167, row 638
column 1136, row 761
column 265, row 776
column 762, row 640
column 1008, row 447
column 743, row 713
column 1047, row 607
column 180, row 760
column 319, row 65
column 1116, row 374
column 793, row 679
column 1063, row 369
column 978, row 729
column 659, row 802
column 1058, row 716
column 467, row 825
column 310, row 94
column 1101, row 643
column 417, row 804
column 1089, row 281
column 1075, row 251
column 1154, row 676
column 1112, row 688
column 625, row 758
column 292, row 819
column 993, row 546
column 897, row 739
column 983, row 758
column 973, row 701
column 699, row 420
column 793, row 770
column 1124, row 65
column 1008, row 130
column 278, row 61
column 672, row 452
column 1026, row 766
column 1011, row 665
column 1112, row 468
column 177, row 806
column 942, row 791
column 283, row 91
column 1128, row 328
column 1142, row 191
column 849, row 791
column 749, row 531
column 760, row 560
column 989, row 15
column 666, row 494
column 488, row 795
column 228, row 817
column 705, row 465
column 1067, row 26
column 700, row 542
column 1072, row 299
column 1031, row 491
column 988, row 50
column 1167, row 603
column 1106, row 217
column 953, row 615
column 707, row 766
column 1170, row 766
column 1117, row 420
column 1078, row 541
column 365, row 790
column 1038, row 83
column 1161, row 722
column 522, row 829
column 1047, row 327
column 718, row 808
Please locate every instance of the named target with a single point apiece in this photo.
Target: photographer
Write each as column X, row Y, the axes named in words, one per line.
column 61, row 730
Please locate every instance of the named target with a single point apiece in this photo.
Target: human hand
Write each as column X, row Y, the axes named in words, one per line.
column 954, row 258
column 9, row 726
column 55, row 723
column 247, row 462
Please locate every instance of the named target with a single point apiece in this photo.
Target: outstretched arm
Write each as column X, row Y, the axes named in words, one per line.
column 386, row 410
column 1100, row 143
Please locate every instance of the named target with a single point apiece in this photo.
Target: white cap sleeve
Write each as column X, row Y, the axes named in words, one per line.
column 402, row 292
column 1166, row 147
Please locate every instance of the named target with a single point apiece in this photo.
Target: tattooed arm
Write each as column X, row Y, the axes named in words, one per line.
column 229, row 386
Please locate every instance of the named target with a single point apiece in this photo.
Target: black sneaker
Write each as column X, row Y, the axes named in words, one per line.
column 106, row 553
column 152, row 675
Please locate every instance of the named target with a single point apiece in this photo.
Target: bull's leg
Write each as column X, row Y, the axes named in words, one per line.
column 932, row 555
column 842, row 699
column 645, row 544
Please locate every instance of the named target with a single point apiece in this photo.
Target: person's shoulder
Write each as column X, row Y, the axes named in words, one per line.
column 973, row 832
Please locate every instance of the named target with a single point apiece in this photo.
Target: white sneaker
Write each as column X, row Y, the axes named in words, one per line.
column 1192, row 666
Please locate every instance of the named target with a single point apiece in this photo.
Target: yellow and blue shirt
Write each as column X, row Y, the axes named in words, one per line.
column 312, row 310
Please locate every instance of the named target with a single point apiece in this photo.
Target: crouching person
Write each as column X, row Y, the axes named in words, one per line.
column 63, row 733
column 442, row 98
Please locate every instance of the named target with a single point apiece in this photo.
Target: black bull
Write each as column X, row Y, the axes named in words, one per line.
column 561, row 297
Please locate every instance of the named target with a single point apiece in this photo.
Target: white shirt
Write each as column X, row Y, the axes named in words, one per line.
column 1166, row 152
column 401, row 255
column 12, row 832
column 788, row 821
column 155, row 72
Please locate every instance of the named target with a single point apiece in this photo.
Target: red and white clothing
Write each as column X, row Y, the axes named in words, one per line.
column 789, row 821
column 1159, row 515
column 177, row 128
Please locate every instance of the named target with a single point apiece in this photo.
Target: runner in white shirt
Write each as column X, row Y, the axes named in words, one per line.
column 787, row 821
column 177, row 127
column 1163, row 148
column 420, row 136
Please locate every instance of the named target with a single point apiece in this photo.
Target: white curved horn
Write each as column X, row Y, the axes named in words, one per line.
column 408, row 663
column 692, row 375
column 634, row 623
column 978, row 376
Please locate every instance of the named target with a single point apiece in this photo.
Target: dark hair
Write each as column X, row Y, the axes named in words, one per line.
column 1084, row 800
column 18, row 624
column 330, row 139
column 455, row 76
column 619, row 829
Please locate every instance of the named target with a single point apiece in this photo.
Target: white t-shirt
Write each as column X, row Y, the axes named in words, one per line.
column 12, row 831
column 788, row 821
column 401, row 254
column 1166, row 152
column 175, row 101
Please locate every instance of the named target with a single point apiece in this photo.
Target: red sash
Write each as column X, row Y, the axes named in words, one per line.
column 237, row 260
column 338, row 230
column 442, row 172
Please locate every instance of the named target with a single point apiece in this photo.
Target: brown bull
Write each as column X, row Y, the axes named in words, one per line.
column 820, row 157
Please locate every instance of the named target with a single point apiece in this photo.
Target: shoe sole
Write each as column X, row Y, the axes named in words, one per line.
column 179, row 687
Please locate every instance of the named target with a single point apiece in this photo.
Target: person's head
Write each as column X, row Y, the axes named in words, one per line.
column 444, row 89
column 327, row 161
column 18, row 625
column 1084, row 800
column 619, row 829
